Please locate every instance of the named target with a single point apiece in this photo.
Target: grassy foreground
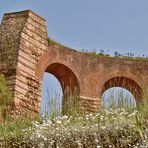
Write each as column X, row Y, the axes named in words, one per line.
column 106, row 129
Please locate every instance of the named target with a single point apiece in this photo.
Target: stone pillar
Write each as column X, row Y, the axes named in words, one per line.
column 23, row 38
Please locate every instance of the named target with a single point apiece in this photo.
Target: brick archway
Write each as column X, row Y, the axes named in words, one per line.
column 66, row 77
column 25, row 54
column 68, row 82
column 127, row 83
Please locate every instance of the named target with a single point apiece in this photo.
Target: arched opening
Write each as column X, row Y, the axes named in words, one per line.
column 67, row 82
column 121, row 90
column 51, row 96
column 118, row 97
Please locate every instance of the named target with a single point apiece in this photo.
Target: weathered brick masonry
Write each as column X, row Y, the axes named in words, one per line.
column 25, row 55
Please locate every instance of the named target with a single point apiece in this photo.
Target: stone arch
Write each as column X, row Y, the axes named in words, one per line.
column 65, row 72
column 126, row 83
column 69, row 84
column 66, row 77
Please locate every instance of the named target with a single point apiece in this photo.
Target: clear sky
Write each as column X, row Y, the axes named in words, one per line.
column 112, row 25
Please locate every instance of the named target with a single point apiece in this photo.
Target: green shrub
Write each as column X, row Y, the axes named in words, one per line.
column 111, row 128
column 120, row 127
column 5, row 98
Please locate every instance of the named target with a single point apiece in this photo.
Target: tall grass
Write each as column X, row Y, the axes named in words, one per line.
column 116, row 127
column 52, row 105
column 118, row 97
column 111, row 128
column 115, row 98
column 65, row 105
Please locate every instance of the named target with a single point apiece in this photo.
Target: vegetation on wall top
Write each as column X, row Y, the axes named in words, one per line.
column 128, row 56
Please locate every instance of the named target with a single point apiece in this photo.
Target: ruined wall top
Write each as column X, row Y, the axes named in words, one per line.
column 25, row 13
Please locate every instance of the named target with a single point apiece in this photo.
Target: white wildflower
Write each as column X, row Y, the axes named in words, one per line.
column 58, row 122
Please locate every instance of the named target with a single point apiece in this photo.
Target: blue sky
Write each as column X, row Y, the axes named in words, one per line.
column 112, row 25
column 86, row 24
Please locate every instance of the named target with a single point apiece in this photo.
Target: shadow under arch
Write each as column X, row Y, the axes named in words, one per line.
column 69, row 84
column 127, row 83
column 66, row 77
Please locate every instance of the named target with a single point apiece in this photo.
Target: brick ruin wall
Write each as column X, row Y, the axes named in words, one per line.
column 25, row 55
column 23, row 38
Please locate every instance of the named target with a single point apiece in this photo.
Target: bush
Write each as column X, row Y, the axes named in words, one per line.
column 111, row 128
column 5, row 98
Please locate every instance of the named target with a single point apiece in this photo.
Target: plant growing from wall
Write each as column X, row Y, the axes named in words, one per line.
column 5, row 98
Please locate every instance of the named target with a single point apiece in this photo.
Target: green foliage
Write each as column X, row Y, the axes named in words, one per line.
column 115, row 127
column 118, row 99
column 111, row 128
column 70, row 106
column 52, row 42
column 13, row 134
column 5, row 94
column 5, row 98
column 116, row 57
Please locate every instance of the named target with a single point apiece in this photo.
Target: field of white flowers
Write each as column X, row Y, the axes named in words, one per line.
column 107, row 129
